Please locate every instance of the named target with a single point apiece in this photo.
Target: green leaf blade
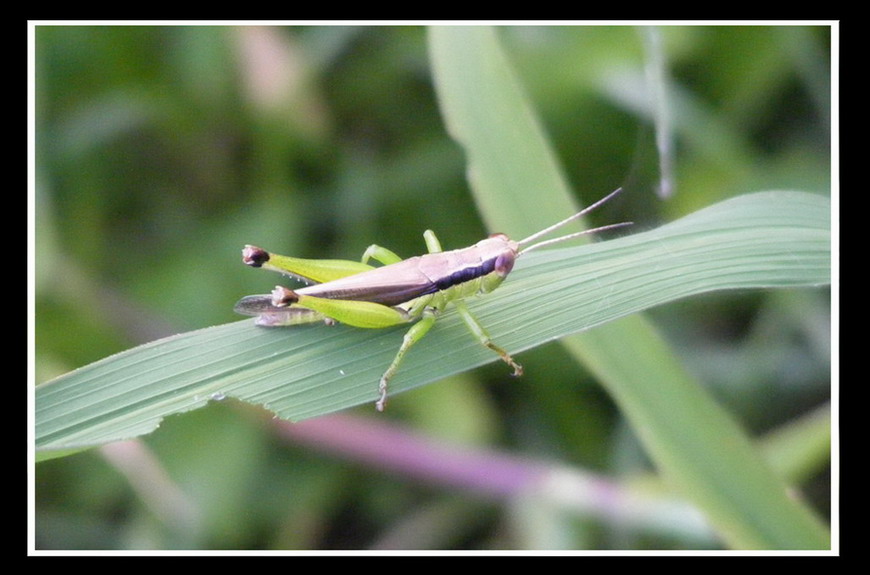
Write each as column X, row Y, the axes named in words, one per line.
column 311, row 370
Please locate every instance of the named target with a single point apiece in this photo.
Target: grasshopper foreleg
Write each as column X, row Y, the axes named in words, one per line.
column 483, row 337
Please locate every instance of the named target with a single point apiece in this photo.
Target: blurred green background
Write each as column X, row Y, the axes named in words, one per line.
column 161, row 151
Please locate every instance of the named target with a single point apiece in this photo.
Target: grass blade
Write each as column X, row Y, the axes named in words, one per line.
column 691, row 439
column 311, row 370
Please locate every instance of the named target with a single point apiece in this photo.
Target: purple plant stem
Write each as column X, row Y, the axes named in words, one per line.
column 384, row 446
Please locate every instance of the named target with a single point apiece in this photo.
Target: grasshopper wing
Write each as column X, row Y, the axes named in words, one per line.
column 389, row 285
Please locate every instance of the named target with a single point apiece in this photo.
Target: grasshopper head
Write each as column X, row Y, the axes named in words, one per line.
column 500, row 249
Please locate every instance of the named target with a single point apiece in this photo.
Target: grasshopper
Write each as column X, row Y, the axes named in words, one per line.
column 400, row 291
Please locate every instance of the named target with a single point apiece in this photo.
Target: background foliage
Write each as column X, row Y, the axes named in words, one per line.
column 162, row 150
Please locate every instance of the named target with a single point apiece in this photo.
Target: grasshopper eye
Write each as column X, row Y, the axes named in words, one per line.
column 504, row 263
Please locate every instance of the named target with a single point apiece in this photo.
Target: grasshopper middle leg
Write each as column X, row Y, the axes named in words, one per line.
column 415, row 334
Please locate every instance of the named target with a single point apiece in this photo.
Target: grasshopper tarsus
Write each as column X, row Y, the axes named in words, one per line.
column 381, row 403
column 518, row 369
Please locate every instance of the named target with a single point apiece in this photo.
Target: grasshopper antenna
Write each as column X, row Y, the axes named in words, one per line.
column 568, row 220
